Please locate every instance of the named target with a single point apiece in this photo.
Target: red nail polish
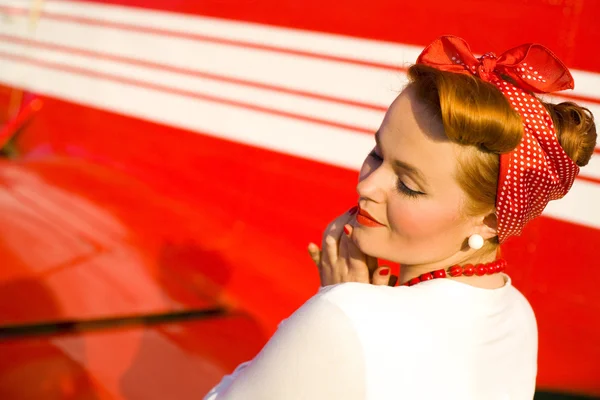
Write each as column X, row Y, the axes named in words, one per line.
column 384, row 272
column 346, row 230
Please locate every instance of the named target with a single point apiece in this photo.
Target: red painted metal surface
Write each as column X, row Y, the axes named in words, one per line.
column 106, row 215
column 176, row 360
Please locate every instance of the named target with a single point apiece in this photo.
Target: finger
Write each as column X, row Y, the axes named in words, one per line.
column 352, row 252
column 330, row 251
column 332, row 234
column 372, row 264
column 349, row 249
column 355, row 259
column 315, row 253
column 382, row 276
column 346, row 249
column 336, row 228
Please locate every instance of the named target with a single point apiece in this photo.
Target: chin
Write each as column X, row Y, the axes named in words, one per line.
column 375, row 242
column 369, row 243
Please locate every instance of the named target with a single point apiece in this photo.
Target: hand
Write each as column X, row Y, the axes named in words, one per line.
column 342, row 261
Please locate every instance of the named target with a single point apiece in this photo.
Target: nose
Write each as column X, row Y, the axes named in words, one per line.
column 372, row 182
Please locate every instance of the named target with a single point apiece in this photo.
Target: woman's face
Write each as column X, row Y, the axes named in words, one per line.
column 407, row 184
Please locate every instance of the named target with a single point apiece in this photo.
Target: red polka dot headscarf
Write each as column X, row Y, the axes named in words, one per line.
column 537, row 170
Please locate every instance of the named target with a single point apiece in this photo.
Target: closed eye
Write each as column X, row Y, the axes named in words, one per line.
column 403, row 189
column 375, row 156
column 400, row 186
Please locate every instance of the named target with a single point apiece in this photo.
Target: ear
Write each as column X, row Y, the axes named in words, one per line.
column 488, row 226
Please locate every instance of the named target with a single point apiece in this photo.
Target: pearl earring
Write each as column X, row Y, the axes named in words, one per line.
column 475, row 241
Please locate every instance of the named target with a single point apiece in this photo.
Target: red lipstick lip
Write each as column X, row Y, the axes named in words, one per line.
column 364, row 218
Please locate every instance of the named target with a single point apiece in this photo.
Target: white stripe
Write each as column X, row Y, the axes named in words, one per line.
column 391, row 53
column 313, row 141
column 593, row 168
column 321, row 43
column 350, row 82
column 347, row 81
column 580, row 205
column 304, row 139
column 586, row 84
column 344, row 114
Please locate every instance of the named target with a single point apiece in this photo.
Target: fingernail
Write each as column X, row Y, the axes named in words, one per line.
column 384, row 272
column 353, row 210
column 346, row 230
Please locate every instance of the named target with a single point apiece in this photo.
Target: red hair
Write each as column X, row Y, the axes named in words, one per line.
column 476, row 114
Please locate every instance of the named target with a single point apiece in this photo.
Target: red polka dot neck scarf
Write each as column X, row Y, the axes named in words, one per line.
column 537, row 170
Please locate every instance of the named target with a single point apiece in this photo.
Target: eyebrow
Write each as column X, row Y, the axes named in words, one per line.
column 405, row 166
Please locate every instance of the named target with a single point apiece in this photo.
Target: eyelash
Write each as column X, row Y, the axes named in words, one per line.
column 400, row 186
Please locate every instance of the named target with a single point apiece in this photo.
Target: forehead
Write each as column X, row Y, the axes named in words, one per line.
column 412, row 134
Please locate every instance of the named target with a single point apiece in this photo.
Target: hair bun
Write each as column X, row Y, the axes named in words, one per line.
column 576, row 130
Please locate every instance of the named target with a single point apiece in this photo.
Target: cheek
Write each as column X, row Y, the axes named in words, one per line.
column 414, row 219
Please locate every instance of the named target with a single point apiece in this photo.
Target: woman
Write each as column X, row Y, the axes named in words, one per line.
column 464, row 158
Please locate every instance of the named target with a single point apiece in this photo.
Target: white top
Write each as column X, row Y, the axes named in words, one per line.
column 439, row 339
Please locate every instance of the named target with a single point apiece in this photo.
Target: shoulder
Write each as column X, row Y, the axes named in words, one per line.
column 335, row 309
column 523, row 309
column 316, row 308
column 321, row 354
column 324, row 310
column 355, row 299
column 359, row 293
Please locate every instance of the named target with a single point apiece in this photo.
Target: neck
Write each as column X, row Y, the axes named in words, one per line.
column 409, row 271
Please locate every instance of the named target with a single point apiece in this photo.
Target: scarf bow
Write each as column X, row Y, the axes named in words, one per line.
column 531, row 66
